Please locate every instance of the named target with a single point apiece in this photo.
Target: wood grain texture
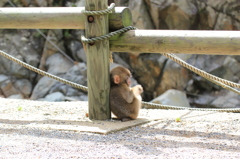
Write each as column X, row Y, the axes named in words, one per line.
column 98, row 63
column 177, row 41
column 57, row 18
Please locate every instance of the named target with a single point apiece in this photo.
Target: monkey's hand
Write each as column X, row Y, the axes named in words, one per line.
column 137, row 90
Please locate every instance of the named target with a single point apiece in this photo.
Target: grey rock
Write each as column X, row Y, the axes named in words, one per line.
column 12, row 44
column 79, row 3
column 146, row 70
column 41, row 3
column 141, row 18
column 54, row 97
column 66, row 90
column 26, row 50
column 30, row 55
column 24, row 86
column 203, row 101
column 16, row 96
column 78, row 69
column 77, row 51
column 229, row 100
column 26, row 2
column 77, row 74
column 42, row 88
column 59, row 87
column 154, row 72
column 72, row 99
column 173, row 98
column 172, row 14
column 3, row 78
column 73, row 92
column 173, row 76
column 221, row 15
column 83, row 98
column 118, row 60
column 8, row 88
column 233, row 65
column 58, row 64
column 77, row 98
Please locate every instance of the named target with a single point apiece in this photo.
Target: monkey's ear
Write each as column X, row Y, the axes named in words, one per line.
column 116, row 79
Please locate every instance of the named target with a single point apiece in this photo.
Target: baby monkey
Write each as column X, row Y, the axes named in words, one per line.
column 125, row 101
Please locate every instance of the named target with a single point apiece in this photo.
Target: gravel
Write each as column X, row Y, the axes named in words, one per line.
column 197, row 135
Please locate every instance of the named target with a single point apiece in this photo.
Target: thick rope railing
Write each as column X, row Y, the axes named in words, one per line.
column 219, row 81
column 146, row 105
column 200, row 72
column 41, row 72
column 107, row 36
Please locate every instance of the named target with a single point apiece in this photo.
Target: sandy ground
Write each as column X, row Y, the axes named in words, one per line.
column 30, row 129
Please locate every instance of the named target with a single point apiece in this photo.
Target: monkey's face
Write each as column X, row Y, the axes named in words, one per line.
column 128, row 80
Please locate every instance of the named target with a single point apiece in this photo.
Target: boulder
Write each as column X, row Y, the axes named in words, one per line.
column 76, row 50
column 173, row 14
column 41, row 3
column 228, row 100
column 58, row 64
column 3, row 78
column 218, row 15
column 172, row 97
column 54, row 97
column 146, row 70
column 173, row 76
column 20, row 48
column 141, row 18
column 24, row 86
column 16, row 96
column 8, row 88
column 42, row 88
column 77, row 73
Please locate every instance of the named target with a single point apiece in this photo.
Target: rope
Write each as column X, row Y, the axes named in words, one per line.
column 224, row 86
column 84, row 88
column 200, row 72
column 214, row 79
column 42, row 72
column 106, row 11
column 147, row 105
column 107, row 36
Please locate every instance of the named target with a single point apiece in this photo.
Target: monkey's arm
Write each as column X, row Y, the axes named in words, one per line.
column 137, row 90
column 127, row 94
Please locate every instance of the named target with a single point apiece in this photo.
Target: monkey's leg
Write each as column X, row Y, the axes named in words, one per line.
column 115, row 118
column 125, row 119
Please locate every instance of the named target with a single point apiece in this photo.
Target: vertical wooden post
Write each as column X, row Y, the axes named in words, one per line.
column 97, row 61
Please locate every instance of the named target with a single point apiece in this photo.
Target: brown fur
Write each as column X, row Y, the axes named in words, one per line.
column 125, row 102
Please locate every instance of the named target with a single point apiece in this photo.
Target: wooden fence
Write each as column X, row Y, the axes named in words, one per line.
column 139, row 41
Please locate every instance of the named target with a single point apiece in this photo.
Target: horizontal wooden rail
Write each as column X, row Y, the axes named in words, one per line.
column 57, row 18
column 177, row 41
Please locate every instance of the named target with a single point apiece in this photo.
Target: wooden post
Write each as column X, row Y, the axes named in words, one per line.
column 97, row 62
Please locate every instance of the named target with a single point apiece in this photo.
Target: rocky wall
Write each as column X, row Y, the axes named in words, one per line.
column 154, row 72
